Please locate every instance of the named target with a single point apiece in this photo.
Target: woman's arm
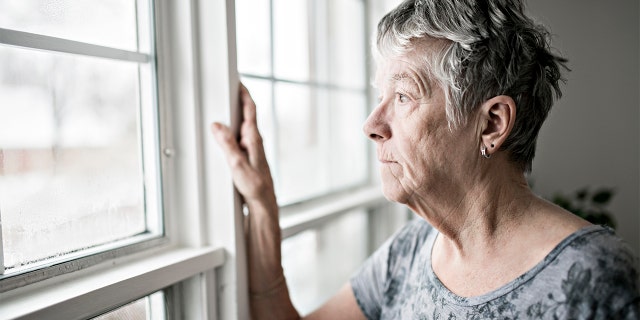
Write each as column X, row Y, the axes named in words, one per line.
column 269, row 296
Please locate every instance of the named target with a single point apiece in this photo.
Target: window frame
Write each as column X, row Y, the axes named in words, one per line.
column 201, row 263
column 196, row 260
column 154, row 236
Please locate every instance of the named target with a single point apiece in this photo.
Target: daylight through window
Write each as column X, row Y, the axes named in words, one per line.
column 304, row 63
column 78, row 129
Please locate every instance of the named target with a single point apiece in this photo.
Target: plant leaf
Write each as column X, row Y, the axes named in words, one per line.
column 602, row 196
column 582, row 193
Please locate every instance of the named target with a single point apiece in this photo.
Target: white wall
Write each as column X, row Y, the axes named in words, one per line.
column 592, row 135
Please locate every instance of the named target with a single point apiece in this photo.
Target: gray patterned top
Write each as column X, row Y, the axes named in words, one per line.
column 589, row 275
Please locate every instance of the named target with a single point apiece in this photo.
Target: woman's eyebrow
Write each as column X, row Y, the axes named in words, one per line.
column 402, row 78
column 399, row 77
column 407, row 79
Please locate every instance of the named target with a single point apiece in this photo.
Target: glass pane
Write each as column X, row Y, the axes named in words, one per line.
column 318, row 262
column 148, row 308
column 145, row 20
column 70, row 163
column 109, row 23
column 346, row 43
column 301, row 161
column 254, row 37
column 347, row 150
column 321, row 147
column 291, row 39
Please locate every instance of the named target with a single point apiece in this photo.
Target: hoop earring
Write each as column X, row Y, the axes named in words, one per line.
column 483, row 152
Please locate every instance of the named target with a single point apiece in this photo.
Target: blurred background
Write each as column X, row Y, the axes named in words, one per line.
column 591, row 138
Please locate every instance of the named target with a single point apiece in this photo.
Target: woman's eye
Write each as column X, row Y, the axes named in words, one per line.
column 402, row 98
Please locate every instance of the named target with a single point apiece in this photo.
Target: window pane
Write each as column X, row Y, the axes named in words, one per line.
column 70, row 163
column 318, row 262
column 321, row 147
column 301, row 162
column 347, row 150
column 109, row 23
column 346, row 43
column 151, row 307
column 291, row 39
column 254, row 37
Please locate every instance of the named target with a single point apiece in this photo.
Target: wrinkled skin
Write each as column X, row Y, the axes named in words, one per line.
column 419, row 154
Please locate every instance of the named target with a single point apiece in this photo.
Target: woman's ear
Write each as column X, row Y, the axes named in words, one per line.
column 497, row 116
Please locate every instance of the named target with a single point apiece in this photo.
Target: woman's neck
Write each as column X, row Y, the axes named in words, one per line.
column 482, row 213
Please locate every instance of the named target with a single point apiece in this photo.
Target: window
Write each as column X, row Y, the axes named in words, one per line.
column 108, row 127
column 305, row 63
column 149, row 307
column 78, row 130
column 104, row 196
column 318, row 261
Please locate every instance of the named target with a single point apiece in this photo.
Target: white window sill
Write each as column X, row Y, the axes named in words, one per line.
column 83, row 296
column 300, row 217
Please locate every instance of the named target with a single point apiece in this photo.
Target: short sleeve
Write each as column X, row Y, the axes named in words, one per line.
column 378, row 284
column 369, row 283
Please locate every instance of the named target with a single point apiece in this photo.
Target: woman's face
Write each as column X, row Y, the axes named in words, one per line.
column 416, row 149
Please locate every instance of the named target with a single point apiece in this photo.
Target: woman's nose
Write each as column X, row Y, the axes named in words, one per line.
column 376, row 126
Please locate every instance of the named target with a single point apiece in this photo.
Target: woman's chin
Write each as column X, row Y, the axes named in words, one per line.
column 393, row 193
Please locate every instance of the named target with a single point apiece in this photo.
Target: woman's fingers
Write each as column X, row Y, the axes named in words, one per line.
column 236, row 158
column 248, row 105
column 246, row 157
column 244, row 176
column 253, row 182
column 250, row 136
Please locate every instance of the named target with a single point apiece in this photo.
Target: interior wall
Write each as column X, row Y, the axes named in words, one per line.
column 592, row 135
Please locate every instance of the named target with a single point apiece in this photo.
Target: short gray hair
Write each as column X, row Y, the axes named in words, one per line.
column 492, row 48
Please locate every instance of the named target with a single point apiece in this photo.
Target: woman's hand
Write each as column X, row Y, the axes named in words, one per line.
column 269, row 296
column 252, row 177
column 246, row 158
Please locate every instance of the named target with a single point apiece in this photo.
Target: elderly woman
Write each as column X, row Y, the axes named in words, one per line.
column 464, row 87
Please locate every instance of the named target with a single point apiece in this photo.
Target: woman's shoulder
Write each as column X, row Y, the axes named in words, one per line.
column 596, row 249
column 595, row 267
column 596, row 245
